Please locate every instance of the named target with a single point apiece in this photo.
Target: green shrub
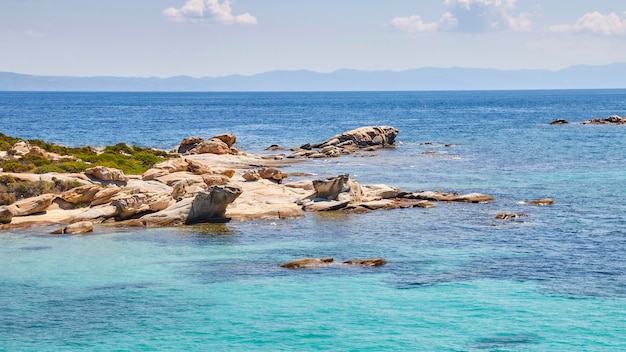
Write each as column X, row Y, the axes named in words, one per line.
column 16, row 166
column 74, row 166
column 44, row 169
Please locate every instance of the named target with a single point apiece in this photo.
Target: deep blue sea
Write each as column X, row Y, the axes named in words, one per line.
column 458, row 279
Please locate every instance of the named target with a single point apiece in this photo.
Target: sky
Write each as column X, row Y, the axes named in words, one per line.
column 210, row 38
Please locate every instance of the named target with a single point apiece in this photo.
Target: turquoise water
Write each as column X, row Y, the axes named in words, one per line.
column 457, row 280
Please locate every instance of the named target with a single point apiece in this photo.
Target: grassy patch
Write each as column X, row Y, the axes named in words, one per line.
column 131, row 160
column 12, row 189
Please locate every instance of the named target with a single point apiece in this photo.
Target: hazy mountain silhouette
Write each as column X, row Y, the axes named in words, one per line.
column 574, row 77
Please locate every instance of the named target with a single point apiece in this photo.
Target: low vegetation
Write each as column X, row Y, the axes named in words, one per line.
column 132, row 160
column 12, row 189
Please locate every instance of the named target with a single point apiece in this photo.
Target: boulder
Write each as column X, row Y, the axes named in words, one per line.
column 105, row 195
column 186, row 188
column 212, row 146
column 107, row 174
column 227, row 138
column 215, row 180
column 211, row 206
column 307, row 263
column 380, row 191
column 559, row 122
column 366, row 262
column 153, row 174
column 272, row 174
column 20, row 148
column 189, row 143
column 251, row 175
column 30, row 206
column 5, row 215
column 141, row 203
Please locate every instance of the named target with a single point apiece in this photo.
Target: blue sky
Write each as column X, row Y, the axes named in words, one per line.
column 198, row 38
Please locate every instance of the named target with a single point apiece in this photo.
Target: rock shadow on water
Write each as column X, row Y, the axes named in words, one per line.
column 505, row 342
column 35, row 248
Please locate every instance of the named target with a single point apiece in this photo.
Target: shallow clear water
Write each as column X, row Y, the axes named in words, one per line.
column 457, row 279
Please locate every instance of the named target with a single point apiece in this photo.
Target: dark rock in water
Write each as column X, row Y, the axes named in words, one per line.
column 510, row 216
column 559, row 122
column 188, row 143
column 211, row 206
column 541, row 202
column 307, row 263
column 366, row 262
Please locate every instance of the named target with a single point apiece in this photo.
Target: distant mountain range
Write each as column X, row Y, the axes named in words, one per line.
column 574, row 77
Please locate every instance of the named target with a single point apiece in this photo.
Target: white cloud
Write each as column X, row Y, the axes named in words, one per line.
column 595, row 23
column 470, row 16
column 415, row 24
column 203, row 10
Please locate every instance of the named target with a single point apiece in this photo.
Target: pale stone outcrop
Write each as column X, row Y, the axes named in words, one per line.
column 252, row 175
column 215, row 180
column 211, row 206
column 449, row 197
column 307, row 263
column 175, row 214
column 380, row 191
column 82, row 194
column 228, row 138
column 32, row 205
column 212, row 146
column 105, row 195
column 107, row 174
column 5, row 215
column 97, row 213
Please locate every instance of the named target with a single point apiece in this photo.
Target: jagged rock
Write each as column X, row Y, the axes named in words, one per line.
column 307, row 263
column 332, row 194
column 6, row 216
column 82, row 194
column 227, row 138
column 366, row 262
column 189, row 143
column 252, row 175
column 384, row 136
column 107, row 174
column 449, row 197
column 541, row 202
column 559, row 122
column 141, row 203
column 30, row 206
column 613, row 120
column 272, row 174
column 211, row 206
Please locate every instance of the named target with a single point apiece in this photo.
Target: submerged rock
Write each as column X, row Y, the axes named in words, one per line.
column 611, row 120
column 541, row 202
column 307, row 263
column 559, row 122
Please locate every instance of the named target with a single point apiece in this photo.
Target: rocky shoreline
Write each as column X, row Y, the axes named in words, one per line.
column 210, row 181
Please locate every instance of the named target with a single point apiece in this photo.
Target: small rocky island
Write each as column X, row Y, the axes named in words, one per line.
column 209, row 181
